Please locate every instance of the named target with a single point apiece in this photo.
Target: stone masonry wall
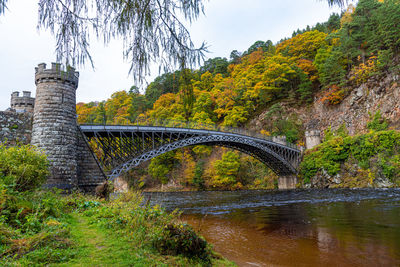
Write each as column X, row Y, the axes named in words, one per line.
column 15, row 128
column 89, row 171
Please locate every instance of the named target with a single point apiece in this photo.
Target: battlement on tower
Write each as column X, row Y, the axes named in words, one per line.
column 57, row 74
column 313, row 133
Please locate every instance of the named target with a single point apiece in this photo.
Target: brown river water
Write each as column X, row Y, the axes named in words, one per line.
column 359, row 227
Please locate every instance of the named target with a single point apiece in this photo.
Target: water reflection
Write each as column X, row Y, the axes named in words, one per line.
column 296, row 228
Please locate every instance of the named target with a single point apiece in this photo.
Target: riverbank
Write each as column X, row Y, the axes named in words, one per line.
column 78, row 230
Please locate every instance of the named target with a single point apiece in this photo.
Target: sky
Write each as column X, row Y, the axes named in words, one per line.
column 226, row 25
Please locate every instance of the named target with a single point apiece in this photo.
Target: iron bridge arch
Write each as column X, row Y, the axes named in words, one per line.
column 121, row 148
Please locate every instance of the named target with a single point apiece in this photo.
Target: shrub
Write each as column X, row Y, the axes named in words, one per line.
column 363, row 71
column 333, row 96
column 22, row 168
column 181, row 240
column 377, row 123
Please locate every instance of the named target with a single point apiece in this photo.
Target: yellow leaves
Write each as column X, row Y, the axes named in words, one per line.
column 85, row 112
column 226, row 170
column 308, row 68
column 303, row 46
column 265, row 132
column 53, row 222
column 167, row 107
column 189, row 166
column 224, row 94
column 235, row 116
column 361, row 73
column 203, row 120
column 278, row 72
column 348, row 15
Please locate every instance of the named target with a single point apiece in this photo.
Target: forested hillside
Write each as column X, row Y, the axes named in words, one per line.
column 329, row 60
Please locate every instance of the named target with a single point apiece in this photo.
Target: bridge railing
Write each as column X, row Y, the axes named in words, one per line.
column 199, row 126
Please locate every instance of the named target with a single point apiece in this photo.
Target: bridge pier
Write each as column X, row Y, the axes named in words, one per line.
column 287, row 182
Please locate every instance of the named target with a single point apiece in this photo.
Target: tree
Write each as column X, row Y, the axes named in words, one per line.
column 226, row 170
column 235, row 56
column 150, row 29
column 166, row 83
column 265, row 47
column 340, row 3
column 215, row 65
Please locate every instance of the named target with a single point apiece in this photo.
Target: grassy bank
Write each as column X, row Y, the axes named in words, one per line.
column 47, row 228
column 78, row 230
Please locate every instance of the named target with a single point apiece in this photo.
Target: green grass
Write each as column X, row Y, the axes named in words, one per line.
column 99, row 246
column 104, row 247
column 98, row 233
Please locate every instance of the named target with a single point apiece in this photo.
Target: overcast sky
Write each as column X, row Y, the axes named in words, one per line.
column 227, row 25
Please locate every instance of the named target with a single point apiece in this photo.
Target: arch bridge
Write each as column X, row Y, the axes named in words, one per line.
column 121, row 148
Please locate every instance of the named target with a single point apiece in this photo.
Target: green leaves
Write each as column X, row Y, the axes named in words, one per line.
column 226, row 170
column 22, row 168
column 376, row 150
column 377, row 123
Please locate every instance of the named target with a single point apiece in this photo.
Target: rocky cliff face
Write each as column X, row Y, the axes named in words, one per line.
column 377, row 94
column 354, row 111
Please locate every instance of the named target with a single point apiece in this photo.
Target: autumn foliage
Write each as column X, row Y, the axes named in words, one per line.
column 324, row 60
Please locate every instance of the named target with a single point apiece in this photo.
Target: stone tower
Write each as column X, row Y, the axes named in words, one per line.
column 24, row 103
column 54, row 127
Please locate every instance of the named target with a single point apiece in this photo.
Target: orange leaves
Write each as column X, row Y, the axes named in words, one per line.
column 308, row 68
column 256, row 56
column 333, row 96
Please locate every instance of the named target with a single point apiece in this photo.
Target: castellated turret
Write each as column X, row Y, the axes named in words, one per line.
column 24, row 103
column 54, row 129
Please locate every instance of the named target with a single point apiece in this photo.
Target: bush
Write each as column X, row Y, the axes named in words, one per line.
column 151, row 227
column 333, row 96
column 181, row 240
column 377, row 122
column 22, row 168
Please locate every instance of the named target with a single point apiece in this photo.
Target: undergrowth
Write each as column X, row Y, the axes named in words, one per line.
column 42, row 228
column 372, row 155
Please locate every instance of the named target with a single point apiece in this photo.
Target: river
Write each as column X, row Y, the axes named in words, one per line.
column 329, row 227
